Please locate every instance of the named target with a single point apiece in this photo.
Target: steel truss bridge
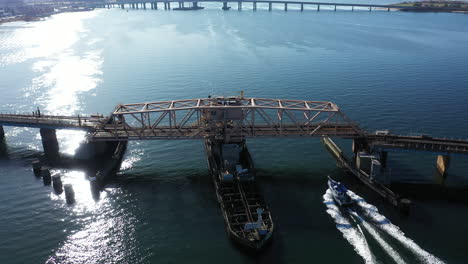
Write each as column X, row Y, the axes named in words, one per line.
column 230, row 118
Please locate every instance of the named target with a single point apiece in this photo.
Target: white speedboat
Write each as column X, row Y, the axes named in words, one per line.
column 339, row 192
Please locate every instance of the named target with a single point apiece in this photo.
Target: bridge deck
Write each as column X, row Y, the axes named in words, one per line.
column 230, row 117
column 418, row 143
column 263, row 1
column 111, row 133
column 51, row 121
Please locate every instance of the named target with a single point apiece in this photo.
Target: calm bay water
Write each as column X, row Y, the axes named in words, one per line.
column 401, row 71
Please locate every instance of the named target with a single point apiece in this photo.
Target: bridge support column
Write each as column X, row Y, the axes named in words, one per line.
column 335, row 8
column 368, row 163
column 155, row 5
column 383, row 160
column 225, row 6
column 358, row 146
column 195, row 4
column 239, row 5
column 318, row 8
column 122, row 6
column 49, row 143
column 2, row 133
column 352, row 8
column 375, row 168
column 269, row 6
column 285, row 6
column 370, row 8
column 388, row 10
column 255, row 6
column 302, row 7
column 144, row 6
column 442, row 166
column 165, row 6
column 169, row 5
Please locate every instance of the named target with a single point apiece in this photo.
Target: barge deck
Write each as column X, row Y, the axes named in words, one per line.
column 247, row 217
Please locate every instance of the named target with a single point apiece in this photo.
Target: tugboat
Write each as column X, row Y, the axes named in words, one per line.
column 247, row 217
column 339, row 192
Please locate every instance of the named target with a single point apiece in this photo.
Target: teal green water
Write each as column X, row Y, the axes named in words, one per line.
column 401, row 71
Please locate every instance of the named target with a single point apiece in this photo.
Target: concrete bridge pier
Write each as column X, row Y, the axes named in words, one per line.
column 225, row 6
column 335, row 8
column 133, row 6
column 375, row 168
column 155, row 5
column 302, row 7
column 369, row 163
column 239, row 5
column 358, row 145
column 169, row 5
column 144, row 6
column 388, row 10
column 49, row 143
column 318, row 8
column 165, row 6
column 269, row 6
column 442, row 165
column 2, row 133
column 122, row 6
column 352, row 8
column 383, row 160
column 370, row 8
column 285, row 6
column 195, row 4
column 255, row 6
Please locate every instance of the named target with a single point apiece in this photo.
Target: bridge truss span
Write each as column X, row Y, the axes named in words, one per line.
column 229, row 117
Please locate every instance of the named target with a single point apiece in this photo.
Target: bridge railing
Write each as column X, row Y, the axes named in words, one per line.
column 57, row 120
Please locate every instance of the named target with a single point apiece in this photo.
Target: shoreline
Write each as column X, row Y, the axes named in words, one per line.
column 430, row 6
column 42, row 16
column 411, row 8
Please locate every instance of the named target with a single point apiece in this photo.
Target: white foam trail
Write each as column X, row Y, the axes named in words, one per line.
column 351, row 233
column 373, row 213
column 375, row 234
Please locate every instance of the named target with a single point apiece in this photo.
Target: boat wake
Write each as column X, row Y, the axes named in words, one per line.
column 363, row 225
column 351, row 232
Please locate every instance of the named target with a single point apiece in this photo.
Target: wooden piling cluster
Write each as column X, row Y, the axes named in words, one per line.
column 54, row 180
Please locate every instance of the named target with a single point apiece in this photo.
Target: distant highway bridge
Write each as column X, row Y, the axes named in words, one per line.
column 137, row 4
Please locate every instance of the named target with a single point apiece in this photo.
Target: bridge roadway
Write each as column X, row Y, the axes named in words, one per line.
column 230, row 118
column 135, row 3
column 88, row 123
column 417, row 143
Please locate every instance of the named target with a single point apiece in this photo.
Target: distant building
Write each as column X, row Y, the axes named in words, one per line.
column 11, row 3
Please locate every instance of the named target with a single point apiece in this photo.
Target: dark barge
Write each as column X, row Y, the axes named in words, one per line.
column 247, row 217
